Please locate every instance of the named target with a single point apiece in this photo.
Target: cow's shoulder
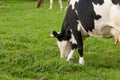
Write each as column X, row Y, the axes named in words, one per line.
column 86, row 13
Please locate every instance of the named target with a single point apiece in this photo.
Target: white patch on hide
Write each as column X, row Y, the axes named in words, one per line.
column 82, row 30
column 76, row 12
column 72, row 3
column 104, row 11
column 79, row 25
column 73, row 39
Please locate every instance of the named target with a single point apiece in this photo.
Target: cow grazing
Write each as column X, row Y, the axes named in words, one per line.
column 99, row 18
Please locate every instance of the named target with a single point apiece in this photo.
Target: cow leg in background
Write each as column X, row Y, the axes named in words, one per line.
column 51, row 2
column 39, row 3
column 60, row 2
column 78, row 37
column 67, row 4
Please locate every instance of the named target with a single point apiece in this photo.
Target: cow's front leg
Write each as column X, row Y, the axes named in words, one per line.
column 70, row 56
column 79, row 40
column 80, row 50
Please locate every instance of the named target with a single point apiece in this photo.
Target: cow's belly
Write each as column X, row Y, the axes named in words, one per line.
column 102, row 31
column 110, row 18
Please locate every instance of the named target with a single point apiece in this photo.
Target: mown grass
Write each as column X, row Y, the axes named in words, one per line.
column 28, row 53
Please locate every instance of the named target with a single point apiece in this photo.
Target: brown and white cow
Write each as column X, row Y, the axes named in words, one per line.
column 99, row 18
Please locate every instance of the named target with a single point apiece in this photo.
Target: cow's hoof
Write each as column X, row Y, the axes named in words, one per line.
column 81, row 60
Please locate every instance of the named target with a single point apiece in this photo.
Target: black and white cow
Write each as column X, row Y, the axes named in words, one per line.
column 99, row 18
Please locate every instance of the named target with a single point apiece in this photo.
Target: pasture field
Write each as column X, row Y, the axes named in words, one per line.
column 28, row 53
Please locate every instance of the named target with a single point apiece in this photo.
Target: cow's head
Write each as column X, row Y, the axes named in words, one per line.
column 64, row 45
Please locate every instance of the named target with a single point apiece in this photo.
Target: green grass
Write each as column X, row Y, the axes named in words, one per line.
column 28, row 53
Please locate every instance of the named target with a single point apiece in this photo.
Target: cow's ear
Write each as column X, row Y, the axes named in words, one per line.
column 55, row 34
